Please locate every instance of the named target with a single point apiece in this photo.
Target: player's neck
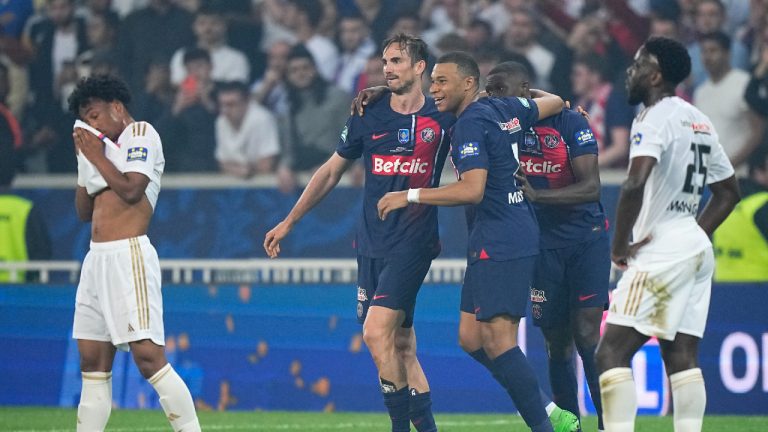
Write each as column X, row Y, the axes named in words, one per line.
column 657, row 94
column 407, row 103
column 472, row 97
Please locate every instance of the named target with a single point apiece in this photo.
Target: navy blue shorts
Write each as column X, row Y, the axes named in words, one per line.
column 570, row 278
column 493, row 288
column 391, row 282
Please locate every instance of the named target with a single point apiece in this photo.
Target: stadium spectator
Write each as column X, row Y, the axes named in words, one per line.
column 520, row 38
column 711, row 17
column 381, row 15
column 155, row 100
column 23, row 233
column 210, row 30
column 356, row 46
column 373, row 75
column 303, row 17
column 443, row 17
column 10, row 130
column 406, row 24
column 102, row 35
column 757, row 89
column 721, row 97
column 610, row 115
column 192, row 141
column 14, row 14
column 318, row 110
column 741, row 242
column 271, row 90
column 246, row 133
column 158, row 29
column 479, row 36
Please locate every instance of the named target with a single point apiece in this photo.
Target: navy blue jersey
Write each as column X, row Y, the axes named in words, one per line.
column 399, row 152
column 486, row 136
column 546, row 155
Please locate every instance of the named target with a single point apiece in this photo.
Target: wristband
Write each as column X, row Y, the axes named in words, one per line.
column 413, row 196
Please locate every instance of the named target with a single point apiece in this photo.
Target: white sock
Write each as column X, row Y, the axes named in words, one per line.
column 550, row 407
column 175, row 399
column 95, row 402
column 689, row 399
column 617, row 388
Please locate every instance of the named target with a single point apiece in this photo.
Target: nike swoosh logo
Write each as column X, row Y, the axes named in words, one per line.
column 586, row 297
column 380, row 296
column 377, row 136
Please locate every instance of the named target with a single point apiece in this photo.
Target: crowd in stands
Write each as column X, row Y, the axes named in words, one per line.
column 246, row 87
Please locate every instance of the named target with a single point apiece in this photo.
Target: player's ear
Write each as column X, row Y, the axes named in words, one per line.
column 421, row 66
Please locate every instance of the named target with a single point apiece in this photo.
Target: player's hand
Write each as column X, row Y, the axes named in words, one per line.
column 528, row 191
column 88, row 144
column 274, row 236
column 391, row 202
column 621, row 254
column 579, row 109
column 366, row 96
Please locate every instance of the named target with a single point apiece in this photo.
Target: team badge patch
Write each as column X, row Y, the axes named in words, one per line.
column 637, row 138
column 137, row 154
column 584, row 137
column 361, row 294
column 404, row 136
column 469, row 149
column 511, row 126
column 344, row 133
column 427, row 135
column 538, row 296
column 551, row 141
column 530, row 140
column 524, row 102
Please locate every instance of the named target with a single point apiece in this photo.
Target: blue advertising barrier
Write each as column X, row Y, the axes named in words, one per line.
column 231, row 223
column 298, row 347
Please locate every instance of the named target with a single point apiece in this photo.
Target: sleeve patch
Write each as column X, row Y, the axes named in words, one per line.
column 637, row 138
column 344, row 133
column 525, row 103
column 469, row 149
column 584, row 137
column 137, row 154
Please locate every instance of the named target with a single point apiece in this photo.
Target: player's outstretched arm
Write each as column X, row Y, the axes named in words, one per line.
column 469, row 190
column 129, row 187
column 366, row 97
column 322, row 182
column 630, row 202
column 725, row 196
column 549, row 104
column 586, row 189
column 83, row 204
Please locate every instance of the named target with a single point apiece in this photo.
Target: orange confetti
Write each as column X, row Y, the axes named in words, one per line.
column 295, row 368
column 183, row 342
column 230, row 324
column 329, row 407
column 170, row 344
column 262, row 348
column 322, row 387
column 244, row 293
column 356, row 344
column 299, row 382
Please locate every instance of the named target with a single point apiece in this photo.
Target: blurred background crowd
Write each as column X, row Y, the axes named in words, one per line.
column 247, row 87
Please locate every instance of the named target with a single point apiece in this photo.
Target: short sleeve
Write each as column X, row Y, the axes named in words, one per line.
column 468, row 149
column 350, row 144
column 577, row 134
column 720, row 167
column 142, row 149
column 646, row 140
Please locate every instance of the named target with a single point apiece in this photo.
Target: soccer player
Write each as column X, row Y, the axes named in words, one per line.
column 570, row 288
column 403, row 145
column 665, row 289
column 118, row 303
column 503, row 236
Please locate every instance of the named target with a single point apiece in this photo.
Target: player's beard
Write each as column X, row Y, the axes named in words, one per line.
column 404, row 88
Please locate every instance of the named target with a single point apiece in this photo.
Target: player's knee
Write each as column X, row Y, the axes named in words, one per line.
column 377, row 339
column 559, row 350
column 586, row 336
column 405, row 346
column 148, row 365
column 469, row 340
column 93, row 364
column 679, row 360
column 605, row 357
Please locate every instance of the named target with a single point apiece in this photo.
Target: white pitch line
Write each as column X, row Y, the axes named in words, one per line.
column 293, row 426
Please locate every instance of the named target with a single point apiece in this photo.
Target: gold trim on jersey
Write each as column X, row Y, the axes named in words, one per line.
column 635, row 296
column 89, row 376
column 160, row 374
column 139, row 128
column 139, row 283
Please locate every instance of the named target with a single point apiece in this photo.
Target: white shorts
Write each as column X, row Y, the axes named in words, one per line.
column 118, row 298
column 661, row 298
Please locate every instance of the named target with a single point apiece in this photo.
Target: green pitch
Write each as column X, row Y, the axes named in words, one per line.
column 60, row 420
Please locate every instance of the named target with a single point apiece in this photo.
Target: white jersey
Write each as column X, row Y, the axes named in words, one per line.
column 138, row 149
column 689, row 155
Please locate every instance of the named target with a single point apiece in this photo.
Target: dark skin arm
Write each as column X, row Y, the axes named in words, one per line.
column 725, row 196
column 586, row 188
column 83, row 204
column 129, row 187
column 630, row 202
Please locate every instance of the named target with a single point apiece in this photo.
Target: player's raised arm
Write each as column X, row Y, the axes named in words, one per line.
column 549, row 104
column 322, row 182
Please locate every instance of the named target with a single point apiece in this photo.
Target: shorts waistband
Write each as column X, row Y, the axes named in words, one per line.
column 120, row 244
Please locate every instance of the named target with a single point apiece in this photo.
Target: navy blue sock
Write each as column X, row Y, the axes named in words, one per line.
column 593, row 381
column 519, row 379
column 421, row 411
column 398, row 404
column 482, row 358
column 562, row 376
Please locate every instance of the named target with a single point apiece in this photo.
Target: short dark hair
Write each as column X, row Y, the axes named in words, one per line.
column 512, row 68
column 233, row 86
column 312, row 8
column 107, row 88
column 718, row 3
column 194, row 54
column 465, row 63
column 718, row 37
column 674, row 61
column 414, row 46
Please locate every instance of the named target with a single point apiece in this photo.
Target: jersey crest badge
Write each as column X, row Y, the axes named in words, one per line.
column 551, row 141
column 637, row 138
column 404, row 136
column 427, row 135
